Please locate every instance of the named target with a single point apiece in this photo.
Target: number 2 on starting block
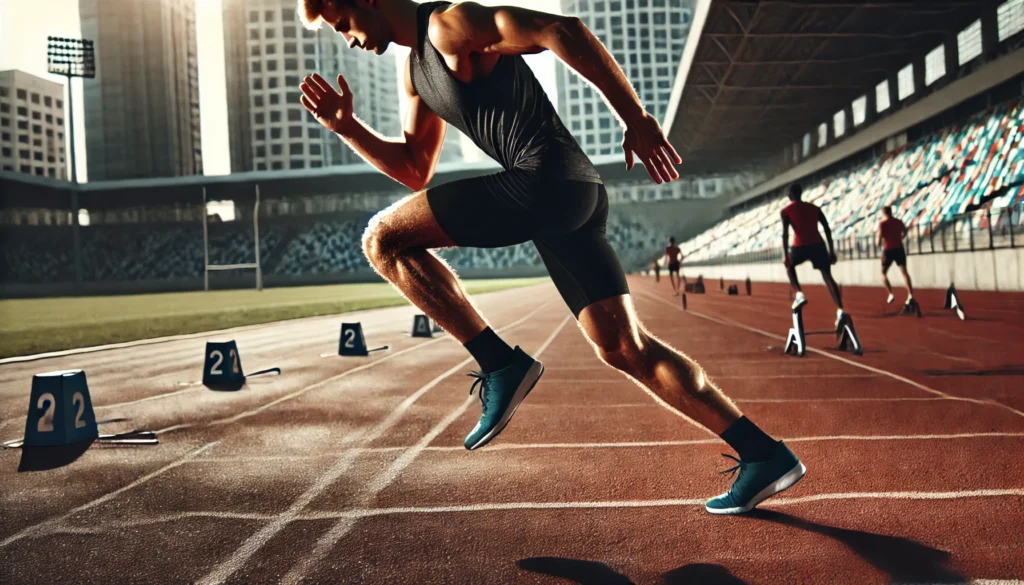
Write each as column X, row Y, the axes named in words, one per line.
column 60, row 410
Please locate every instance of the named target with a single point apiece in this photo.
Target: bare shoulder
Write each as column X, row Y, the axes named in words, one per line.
column 453, row 29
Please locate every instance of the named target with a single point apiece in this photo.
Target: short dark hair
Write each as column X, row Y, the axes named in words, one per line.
column 887, row 210
column 671, row 240
column 795, row 191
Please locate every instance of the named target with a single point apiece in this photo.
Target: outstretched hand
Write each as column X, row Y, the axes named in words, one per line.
column 331, row 108
column 645, row 138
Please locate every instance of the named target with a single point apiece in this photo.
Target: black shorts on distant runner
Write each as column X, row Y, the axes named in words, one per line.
column 673, row 267
column 897, row 255
column 564, row 218
column 816, row 253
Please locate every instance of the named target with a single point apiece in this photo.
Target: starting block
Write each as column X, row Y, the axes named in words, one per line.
column 60, row 410
column 953, row 303
column 748, row 286
column 796, row 341
column 421, row 326
column 846, row 336
column 911, row 307
column 222, row 369
column 352, row 342
column 733, row 289
column 698, row 287
column 436, row 328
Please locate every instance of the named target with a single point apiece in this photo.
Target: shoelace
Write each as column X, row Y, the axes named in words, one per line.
column 740, row 466
column 482, row 381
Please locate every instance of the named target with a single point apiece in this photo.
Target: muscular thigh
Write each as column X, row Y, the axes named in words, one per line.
column 407, row 223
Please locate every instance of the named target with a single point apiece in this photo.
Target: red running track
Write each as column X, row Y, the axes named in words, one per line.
column 352, row 470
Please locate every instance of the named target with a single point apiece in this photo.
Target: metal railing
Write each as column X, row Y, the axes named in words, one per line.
column 982, row 229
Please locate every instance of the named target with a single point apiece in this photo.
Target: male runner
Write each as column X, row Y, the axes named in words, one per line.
column 891, row 232
column 804, row 218
column 657, row 270
column 673, row 257
column 466, row 69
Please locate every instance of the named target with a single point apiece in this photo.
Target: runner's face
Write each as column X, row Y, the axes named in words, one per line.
column 361, row 24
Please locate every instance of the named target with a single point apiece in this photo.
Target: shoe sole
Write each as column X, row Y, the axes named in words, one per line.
column 797, row 305
column 782, row 484
column 532, row 376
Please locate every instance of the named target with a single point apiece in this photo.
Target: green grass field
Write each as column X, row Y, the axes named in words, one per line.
column 29, row 326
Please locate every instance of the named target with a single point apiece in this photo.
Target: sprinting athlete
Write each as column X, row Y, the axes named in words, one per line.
column 673, row 258
column 466, row 70
column 804, row 218
column 891, row 232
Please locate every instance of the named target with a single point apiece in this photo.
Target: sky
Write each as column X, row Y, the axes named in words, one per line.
column 23, row 46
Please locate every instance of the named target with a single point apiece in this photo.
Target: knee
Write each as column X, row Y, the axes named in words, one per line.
column 376, row 245
column 624, row 352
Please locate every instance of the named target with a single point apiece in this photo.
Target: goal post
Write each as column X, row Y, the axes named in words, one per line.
column 207, row 267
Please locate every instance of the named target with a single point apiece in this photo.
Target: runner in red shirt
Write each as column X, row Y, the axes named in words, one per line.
column 673, row 258
column 891, row 232
column 804, row 218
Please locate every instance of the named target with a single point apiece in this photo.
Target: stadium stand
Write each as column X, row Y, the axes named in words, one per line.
column 961, row 169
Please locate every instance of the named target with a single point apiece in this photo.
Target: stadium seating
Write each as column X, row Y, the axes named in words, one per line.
column 928, row 183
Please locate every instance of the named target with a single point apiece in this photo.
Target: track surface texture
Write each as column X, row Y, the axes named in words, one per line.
column 352, row 470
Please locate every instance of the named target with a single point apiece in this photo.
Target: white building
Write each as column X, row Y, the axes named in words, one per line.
column 646, row 37
column 267, row 125
column 32, row 125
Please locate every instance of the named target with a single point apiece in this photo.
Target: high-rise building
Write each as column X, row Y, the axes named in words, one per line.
column 646, row 37
column 142, row 109
column 268, row 52
column 31, row 125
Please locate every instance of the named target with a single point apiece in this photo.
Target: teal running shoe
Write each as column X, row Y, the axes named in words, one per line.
column 500, row 393
column 757, row 482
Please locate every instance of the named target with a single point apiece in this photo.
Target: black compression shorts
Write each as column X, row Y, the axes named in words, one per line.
column 565, row 219
column 816, row 253
column 897, row 255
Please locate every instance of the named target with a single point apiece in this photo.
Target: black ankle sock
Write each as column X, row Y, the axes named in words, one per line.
column 750, row 442
column 490, row 351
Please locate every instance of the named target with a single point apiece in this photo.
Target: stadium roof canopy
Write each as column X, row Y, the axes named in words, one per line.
column 22, row 190
column 757, row 75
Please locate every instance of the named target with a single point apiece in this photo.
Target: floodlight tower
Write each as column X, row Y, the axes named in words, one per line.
column 71, row 58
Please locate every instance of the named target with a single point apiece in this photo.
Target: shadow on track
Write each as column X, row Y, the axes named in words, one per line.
column 701, row 574
column 595, row 573
column 46, row 458
column 904, row 560
column 575, row 570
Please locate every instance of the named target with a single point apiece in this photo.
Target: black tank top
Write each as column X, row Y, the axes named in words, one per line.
column 507, row 114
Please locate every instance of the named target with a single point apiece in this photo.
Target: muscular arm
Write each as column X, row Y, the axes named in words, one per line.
column 785, row 234
column 878, row 237
column 828, row 231
column 469, row 27
column 411, row 159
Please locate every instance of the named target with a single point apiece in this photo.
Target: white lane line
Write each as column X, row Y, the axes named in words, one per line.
column 42, row 526
column 787, row 376
column 338, row 531
column 335, row 378
column 356, row 514
column 622, row 504
column 606, row 445
column 893, row 375
column 110, row 525
column 254, row 543
column 716, row 441
column 772, row 400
